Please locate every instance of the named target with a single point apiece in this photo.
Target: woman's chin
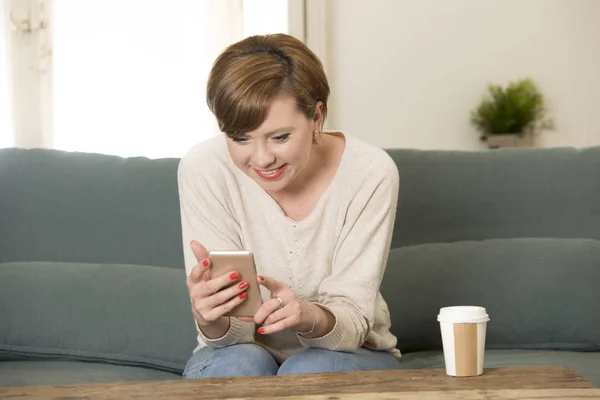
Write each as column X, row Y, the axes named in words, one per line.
column 273, row 186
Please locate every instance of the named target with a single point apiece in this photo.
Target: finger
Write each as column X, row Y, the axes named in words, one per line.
column 203, row 262
column 277, row 315
column 274, row 286
column 280, row 325
column 224, row 295
column 268, row 307
column 199, row 271
column 224, row 308
column 199, row 251
column 214, row 285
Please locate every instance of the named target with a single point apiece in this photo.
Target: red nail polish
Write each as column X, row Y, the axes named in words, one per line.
column 243, row 285
column 234, row 275
column 205, row 263
column 243, row 295
column 260, row 330
column 261, row 278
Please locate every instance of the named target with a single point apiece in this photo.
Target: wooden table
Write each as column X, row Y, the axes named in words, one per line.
column 496, row 383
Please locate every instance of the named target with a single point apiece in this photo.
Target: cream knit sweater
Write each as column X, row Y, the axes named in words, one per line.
column 335, row 256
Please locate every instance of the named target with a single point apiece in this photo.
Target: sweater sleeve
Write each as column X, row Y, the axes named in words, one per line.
column 206, row 218
column 350, row 292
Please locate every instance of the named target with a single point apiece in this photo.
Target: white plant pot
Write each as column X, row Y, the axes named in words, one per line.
column 497, row 141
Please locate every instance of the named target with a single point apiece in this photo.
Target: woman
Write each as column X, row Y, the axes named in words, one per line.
column 315, row 208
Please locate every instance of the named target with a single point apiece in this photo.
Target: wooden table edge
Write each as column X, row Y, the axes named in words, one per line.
column 340, row 384
column 482, row 394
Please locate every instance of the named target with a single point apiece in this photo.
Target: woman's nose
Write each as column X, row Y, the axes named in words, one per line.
column 263, row 157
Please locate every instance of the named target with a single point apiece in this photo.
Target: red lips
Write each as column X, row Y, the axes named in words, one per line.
column 272, row 176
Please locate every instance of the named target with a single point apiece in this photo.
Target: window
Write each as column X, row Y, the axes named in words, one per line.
column 129, row 76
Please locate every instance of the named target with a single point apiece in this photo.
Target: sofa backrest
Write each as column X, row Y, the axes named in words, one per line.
column 76, row 207
column 448, row 196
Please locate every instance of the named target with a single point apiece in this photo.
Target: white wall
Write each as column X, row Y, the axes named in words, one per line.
column 406, row 73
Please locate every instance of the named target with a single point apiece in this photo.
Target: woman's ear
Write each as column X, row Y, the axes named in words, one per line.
column 318, row 114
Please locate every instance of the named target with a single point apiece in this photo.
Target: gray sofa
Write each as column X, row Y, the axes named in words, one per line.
column 92, row 284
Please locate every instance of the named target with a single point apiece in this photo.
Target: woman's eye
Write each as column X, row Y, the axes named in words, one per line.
column 240, row 140
column 282, row 138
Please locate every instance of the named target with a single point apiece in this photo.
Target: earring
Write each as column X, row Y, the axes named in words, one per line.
column 315, row 134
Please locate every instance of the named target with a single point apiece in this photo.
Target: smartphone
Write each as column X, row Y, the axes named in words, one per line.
column 242, row 262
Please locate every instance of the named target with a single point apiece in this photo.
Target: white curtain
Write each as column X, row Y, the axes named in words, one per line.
column 130, row 75
column 127, row 77
column 6, row 136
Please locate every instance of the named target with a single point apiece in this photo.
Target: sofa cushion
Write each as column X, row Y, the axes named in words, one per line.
column 539, row 293
column 32, row 373
column 453, row 195
column 123, row 314
column 83, row 207
column 583, row 363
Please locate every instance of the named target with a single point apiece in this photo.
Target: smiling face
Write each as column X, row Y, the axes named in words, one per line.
column 269, row 94
column 279, row 153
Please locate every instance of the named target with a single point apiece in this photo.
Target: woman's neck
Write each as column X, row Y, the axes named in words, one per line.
column 319, row 158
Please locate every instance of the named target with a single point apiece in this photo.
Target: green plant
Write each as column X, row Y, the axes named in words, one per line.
column 517, row 109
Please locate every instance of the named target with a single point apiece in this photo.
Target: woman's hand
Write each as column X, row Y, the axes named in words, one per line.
column 212, row 297
column 284, row 310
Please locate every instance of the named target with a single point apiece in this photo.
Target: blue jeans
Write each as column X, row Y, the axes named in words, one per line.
column 253, row 360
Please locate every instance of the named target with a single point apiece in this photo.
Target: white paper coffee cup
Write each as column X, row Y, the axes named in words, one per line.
column 463, row 338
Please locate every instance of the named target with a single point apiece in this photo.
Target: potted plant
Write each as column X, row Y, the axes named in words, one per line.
column 510, row 116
